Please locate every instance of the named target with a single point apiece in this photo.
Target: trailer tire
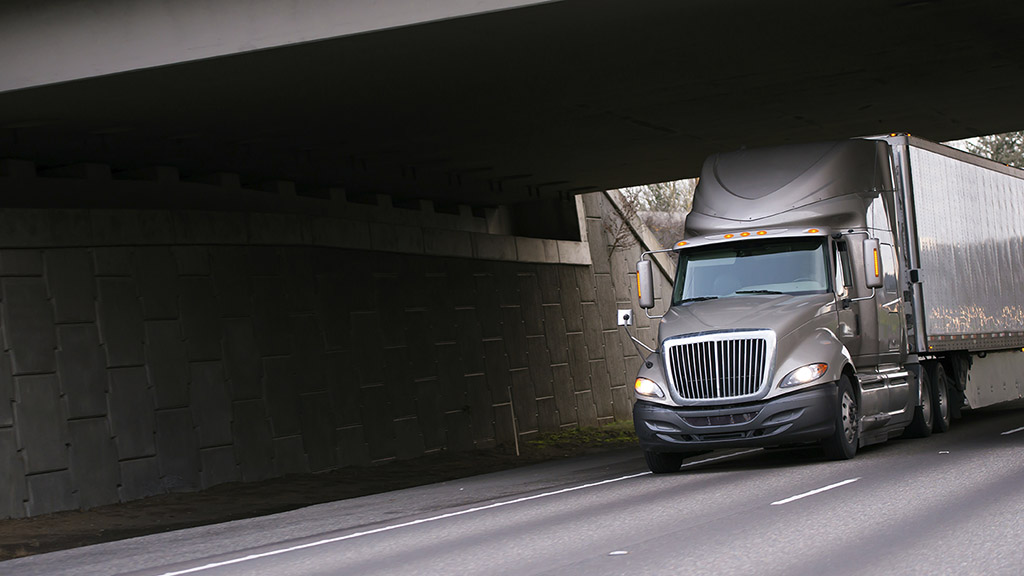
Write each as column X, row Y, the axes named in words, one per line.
column 941, row 412
column 924, row 415
column 842, row 444
column 663, row 462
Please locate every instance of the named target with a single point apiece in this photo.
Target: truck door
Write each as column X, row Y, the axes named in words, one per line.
column 891, row 332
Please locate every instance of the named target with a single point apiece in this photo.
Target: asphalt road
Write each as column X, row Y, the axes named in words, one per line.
column 949, row 504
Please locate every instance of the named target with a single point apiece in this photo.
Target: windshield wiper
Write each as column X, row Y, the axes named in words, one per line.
column 698, row 299
column 758, row 292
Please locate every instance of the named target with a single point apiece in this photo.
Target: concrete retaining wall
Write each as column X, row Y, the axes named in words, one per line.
column 135, row 367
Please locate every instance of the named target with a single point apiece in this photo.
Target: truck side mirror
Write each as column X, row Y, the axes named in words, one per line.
column 872, row 263
column 644, row 284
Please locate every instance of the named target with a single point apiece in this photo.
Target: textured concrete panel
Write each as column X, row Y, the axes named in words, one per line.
column 586, row 412
column 488, row 306
column 253, row 441
column 140, row 478
column 368, row 329
column 351, row 446
column 318, row 431
column 192, row 260
column 50, row 492
column 592, row 330
column 21, row 263
column 458, row 431
column 497, row 370
column 572, row 314
column 378, row 425
column 565, row 394
column 94, row 468
column 615, row 360
column 281, row 395
column 289, row 456
column 12, row 477
column 540, row 366
column 6, row 391
column 606, row 302
column 112, row 261
column 28, row 325
column 270, row 319
column 70, row 277
column 334, row 309
column 451, row 384
column 211, row 404
column 504, row 427
column 524, row 398
column 131, row 413
column 531, row 305
column 547, row 414
column 218, row 466
column 177, row 450
column 601, row 388
column 481, row 410
column 120, row 321
column 547, row 281
column 622, row 402
column 231, row 281
column 200, row 319
column 409, row 439
column 514, row 336
column 471, row 349
column 157, row 273
column 82, row 368
column 309, row 354
column 555, row 334
column 242, row 364
column 398, row 381
column 429, row 413
column 41, row 424
column 579, row 362
column 167, row 363
column 598, row 246
column 343, row 386
column 300, row 292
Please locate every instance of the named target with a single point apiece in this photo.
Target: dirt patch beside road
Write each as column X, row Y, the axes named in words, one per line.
column 27, row 536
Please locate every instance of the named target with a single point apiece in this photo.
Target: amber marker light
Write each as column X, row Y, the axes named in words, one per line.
column 728, row 236
column 744, row 234
column 762, row 232
column 813, row 231
column 681, row 244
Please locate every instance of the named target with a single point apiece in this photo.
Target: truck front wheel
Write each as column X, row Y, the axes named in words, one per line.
column 663, row 462
column 842, row 444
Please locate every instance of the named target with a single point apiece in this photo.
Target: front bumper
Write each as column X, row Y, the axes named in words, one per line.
column 798, row 418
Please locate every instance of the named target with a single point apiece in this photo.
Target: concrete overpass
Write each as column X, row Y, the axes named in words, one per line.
column 244, row 239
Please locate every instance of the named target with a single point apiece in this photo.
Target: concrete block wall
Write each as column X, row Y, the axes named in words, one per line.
column 130, row 370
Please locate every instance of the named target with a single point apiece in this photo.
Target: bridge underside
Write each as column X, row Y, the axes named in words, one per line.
column 544, row 101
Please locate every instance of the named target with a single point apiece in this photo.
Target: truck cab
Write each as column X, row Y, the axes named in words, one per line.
column 787, row 323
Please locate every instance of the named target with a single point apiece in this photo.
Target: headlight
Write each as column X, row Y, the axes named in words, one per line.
column 645, row 387
column 804, row 375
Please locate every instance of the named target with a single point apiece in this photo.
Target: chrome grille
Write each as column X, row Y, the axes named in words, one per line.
column 719, row 366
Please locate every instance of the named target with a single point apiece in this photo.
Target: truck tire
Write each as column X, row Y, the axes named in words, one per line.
column 663, row 462
column 941, row 412
column 842, row 444
column 924, row 415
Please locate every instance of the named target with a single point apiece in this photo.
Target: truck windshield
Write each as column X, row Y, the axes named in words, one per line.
column 778, row 266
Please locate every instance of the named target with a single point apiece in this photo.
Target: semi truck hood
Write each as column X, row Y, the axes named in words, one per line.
column 782, row 313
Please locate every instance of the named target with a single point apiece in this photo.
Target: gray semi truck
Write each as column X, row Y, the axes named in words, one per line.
column 838, row 293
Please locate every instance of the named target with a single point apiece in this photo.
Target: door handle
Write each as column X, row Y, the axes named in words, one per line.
column 891, row 307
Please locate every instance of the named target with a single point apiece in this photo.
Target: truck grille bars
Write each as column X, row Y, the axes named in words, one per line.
column 724, row 366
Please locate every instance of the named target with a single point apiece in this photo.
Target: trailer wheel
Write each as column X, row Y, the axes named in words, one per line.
column 842, row 444
column 924, row 416
column 940, row 398
column 663, row 462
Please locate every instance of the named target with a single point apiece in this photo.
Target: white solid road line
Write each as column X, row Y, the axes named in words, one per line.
column 278, row 551
column 1013, row 431
column 813, row 492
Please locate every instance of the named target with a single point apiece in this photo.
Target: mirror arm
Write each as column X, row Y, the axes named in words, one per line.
column 861, row 299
